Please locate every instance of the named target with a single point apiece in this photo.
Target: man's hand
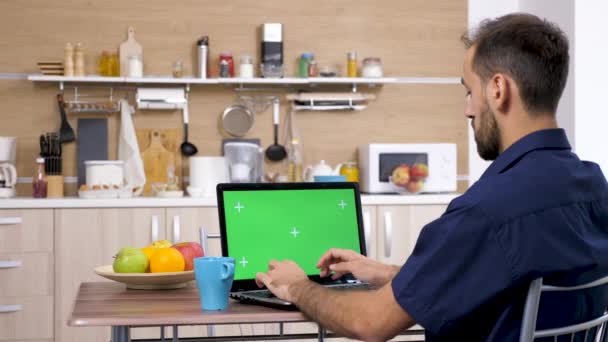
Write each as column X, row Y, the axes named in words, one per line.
column 342, row 261
column 281, row 278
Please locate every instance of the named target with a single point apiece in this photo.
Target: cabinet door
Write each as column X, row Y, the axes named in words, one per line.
column 399, row 227
column 86, row 238
column 369, row 228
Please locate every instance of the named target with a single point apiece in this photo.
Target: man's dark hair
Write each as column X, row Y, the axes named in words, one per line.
column 532, row 51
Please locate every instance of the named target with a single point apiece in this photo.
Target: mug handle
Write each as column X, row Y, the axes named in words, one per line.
column 229, row 270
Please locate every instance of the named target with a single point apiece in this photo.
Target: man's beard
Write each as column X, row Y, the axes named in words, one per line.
column 487, row 136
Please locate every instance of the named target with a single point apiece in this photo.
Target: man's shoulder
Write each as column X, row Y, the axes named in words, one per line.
column 534, row 185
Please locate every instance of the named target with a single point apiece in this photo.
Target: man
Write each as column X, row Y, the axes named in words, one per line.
column 537, row 211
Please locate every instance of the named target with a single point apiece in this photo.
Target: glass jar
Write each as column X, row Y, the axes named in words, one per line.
column 113, row 64
column 177, row 69
column 305, row 58
column 246, row 67
column 312, row 68
column 227, row 57
column 103, row 66
column 351, row 171
column 39, row 182
column 372, row 67
column 136, row 66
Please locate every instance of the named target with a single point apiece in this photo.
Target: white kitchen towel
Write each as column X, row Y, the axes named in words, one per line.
column 128, row 149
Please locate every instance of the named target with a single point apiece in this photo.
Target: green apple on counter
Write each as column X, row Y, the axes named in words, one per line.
column 130, row 260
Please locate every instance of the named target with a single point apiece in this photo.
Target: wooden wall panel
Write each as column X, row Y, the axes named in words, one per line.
column 413, row 38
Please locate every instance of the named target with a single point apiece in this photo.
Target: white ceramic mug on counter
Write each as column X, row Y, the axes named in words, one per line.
column 205, row 174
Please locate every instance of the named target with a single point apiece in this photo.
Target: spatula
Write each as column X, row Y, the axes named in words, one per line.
column 66, row 133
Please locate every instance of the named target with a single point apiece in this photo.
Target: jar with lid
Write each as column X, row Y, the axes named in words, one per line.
column 305, row 58
column 136, row 66
column 372, row 67
column 227, row 57
column 39, row 182
column 246, row 67
column 351, row 171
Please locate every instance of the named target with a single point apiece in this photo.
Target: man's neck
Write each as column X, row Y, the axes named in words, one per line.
column 526, row 126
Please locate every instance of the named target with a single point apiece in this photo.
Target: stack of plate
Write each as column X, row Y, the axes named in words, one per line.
column 51, row 68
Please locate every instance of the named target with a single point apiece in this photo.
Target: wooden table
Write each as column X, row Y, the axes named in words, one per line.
column 112, row 304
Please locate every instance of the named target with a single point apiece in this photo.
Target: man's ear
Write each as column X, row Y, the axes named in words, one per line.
column 499, row 92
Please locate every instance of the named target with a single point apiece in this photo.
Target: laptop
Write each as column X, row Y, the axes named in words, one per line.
column 260, row 222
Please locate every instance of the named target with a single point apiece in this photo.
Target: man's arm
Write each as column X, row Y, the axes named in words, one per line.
column 364, row 315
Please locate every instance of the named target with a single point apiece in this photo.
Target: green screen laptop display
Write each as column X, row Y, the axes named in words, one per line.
column 295, row 224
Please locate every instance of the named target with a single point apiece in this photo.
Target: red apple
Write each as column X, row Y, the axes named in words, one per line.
column 414, row 185
column 189, row 250
column 401, row 175
column 419, row 171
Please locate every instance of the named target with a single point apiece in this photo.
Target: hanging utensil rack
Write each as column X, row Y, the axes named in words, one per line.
column 330, row 101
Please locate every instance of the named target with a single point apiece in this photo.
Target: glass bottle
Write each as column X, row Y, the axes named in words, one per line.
column 113, row 65
column 39, row 183
column 351, row 171
column 295, row 160
column 104, row 64
column 351, row 64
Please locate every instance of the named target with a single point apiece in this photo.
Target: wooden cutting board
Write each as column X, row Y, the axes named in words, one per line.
column 127, row 48
column 159, row 148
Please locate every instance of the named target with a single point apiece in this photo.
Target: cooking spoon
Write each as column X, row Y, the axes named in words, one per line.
column 188, row 149
column 276, row 152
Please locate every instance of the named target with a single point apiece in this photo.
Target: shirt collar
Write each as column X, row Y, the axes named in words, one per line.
column 554, row 138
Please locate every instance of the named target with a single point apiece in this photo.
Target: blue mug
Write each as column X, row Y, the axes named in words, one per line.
column 214, row 277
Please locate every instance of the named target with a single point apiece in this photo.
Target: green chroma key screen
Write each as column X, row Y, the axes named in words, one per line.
column 300, row 225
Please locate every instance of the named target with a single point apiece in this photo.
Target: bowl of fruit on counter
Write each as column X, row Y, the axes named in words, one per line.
column 160, row 265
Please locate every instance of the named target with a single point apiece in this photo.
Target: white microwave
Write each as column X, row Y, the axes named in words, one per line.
column 377, row 162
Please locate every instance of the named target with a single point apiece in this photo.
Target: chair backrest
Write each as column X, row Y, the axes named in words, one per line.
column 528, row 324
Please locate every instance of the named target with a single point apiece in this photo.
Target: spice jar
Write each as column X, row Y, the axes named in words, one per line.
column 177, row 69
column 372, row 67
column 312, row 68
column 227, row 57
column 246, row 67
column 104, row 64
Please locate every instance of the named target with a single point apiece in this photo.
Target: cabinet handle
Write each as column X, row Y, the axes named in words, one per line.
column 388, row 233
column 367, row 229
column 10, row 263
column 10, row 221
column 176, row 229
column 204, row 239
column 11, row 308
column 154, row 228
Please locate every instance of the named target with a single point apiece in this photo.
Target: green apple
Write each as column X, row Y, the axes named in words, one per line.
column 130, row 260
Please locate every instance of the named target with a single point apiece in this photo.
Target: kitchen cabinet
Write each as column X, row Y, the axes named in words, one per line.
column 398, row 228
column 86, row 238
column 26, row 270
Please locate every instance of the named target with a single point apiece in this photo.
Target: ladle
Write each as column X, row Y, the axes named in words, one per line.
column 188, row 149
column 276, row 152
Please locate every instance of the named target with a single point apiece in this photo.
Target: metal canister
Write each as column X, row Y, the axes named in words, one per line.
column 203, row 56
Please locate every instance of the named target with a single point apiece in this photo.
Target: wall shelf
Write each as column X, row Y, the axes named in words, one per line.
column 287, row 81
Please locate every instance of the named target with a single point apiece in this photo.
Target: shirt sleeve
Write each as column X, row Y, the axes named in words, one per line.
column 456, row 267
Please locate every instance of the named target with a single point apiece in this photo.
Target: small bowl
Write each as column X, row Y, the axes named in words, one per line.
column 340, row 178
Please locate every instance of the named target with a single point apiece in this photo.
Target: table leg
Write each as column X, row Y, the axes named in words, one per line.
column 321, row 334
column 175, row 334
column 120, row 333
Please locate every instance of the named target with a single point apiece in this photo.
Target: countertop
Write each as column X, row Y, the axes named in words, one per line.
column 153, row 202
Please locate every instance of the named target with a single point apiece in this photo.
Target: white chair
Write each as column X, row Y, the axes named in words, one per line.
column 528, row 324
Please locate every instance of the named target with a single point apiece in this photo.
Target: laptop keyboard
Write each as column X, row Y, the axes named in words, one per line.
column 339, row 287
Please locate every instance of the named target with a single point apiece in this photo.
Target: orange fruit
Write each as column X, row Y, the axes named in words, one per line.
column 167, row 260
column 149, row 251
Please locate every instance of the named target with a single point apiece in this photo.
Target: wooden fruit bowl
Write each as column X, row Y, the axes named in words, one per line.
column 147, row 281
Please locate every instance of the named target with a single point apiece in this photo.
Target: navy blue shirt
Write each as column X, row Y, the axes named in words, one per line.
column 537, row 211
